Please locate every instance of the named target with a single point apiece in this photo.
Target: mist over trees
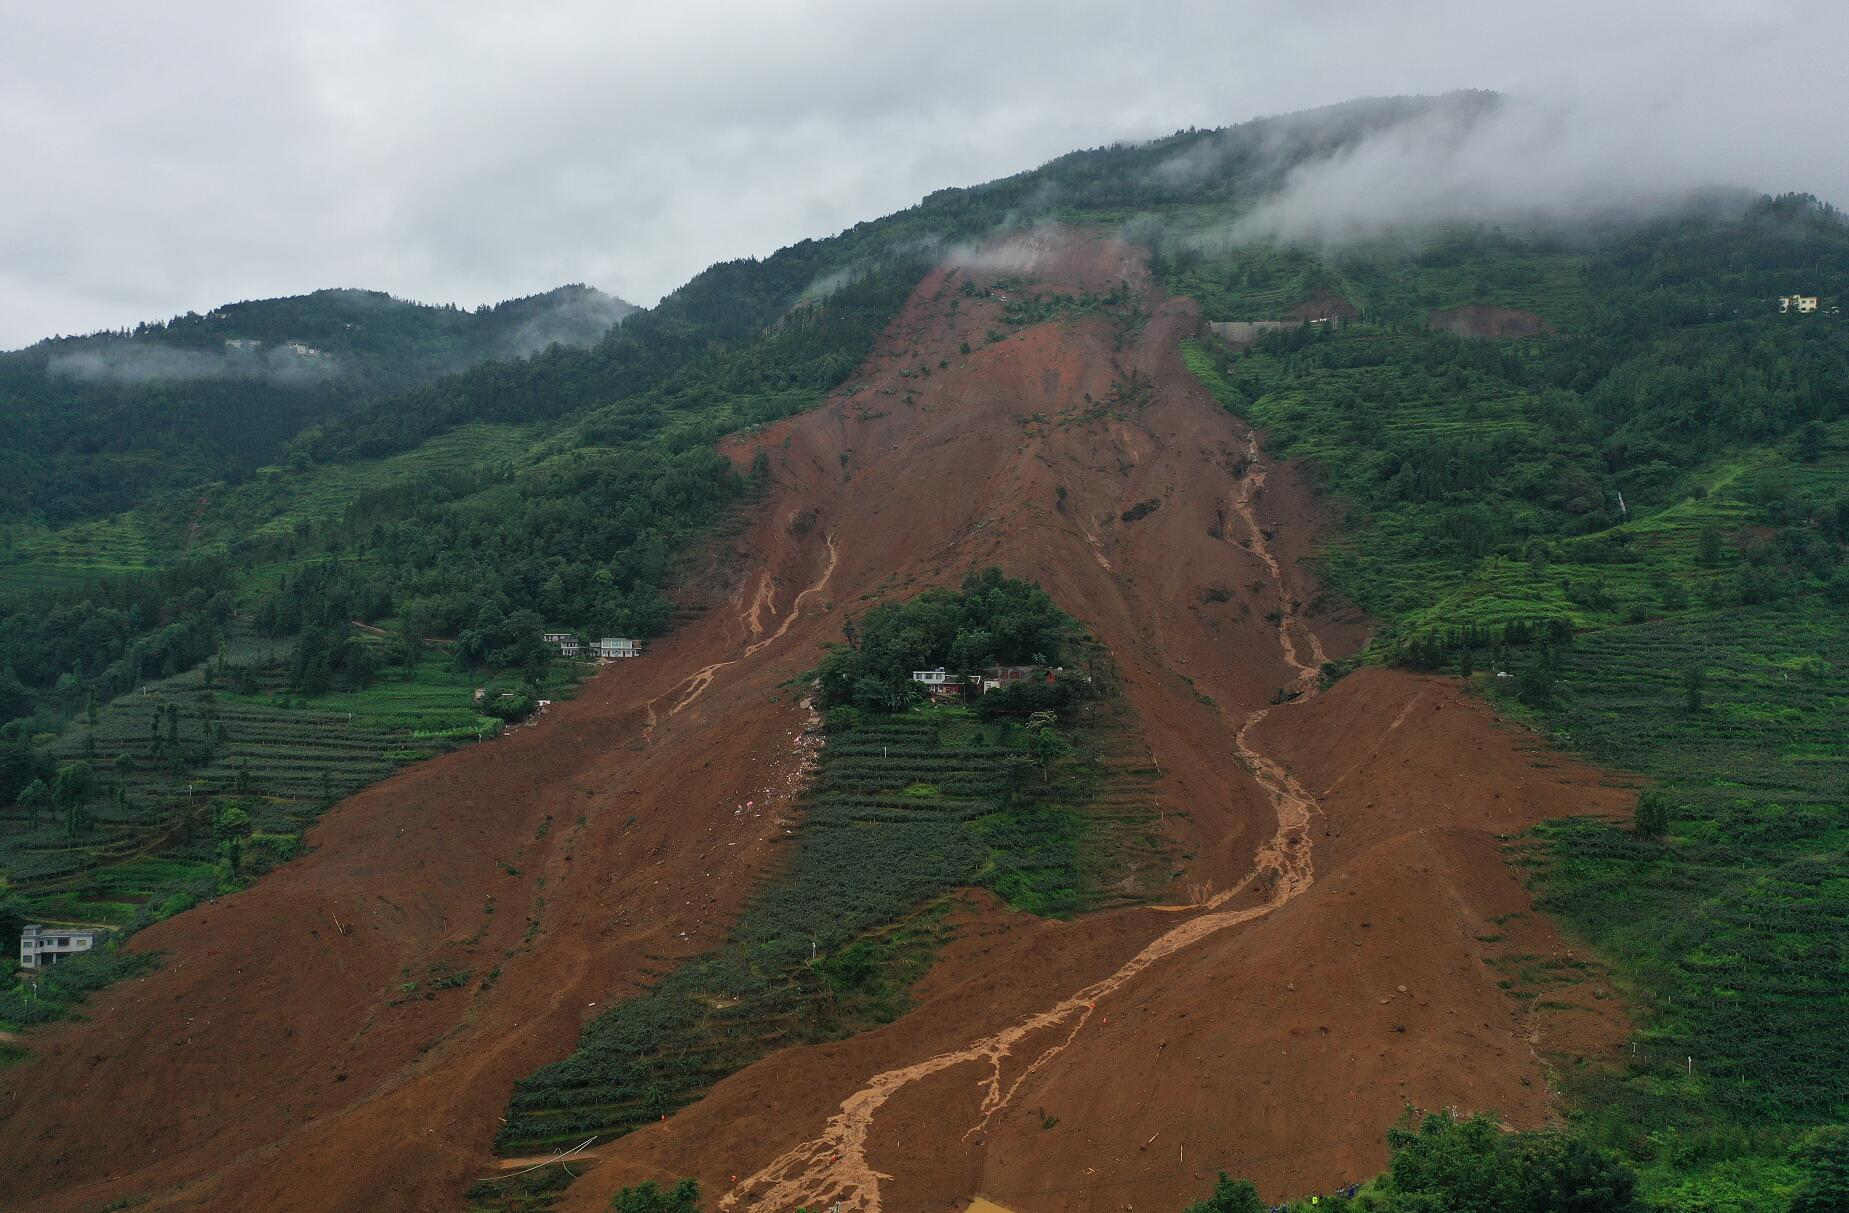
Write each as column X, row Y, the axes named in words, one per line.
column 93, row 425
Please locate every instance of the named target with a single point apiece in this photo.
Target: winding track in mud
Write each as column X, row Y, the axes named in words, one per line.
column 833, row 1171
column 695, row 684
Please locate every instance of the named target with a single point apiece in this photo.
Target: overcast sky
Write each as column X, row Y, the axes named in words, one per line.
column 175, row 156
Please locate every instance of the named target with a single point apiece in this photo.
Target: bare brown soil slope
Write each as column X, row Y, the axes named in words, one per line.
column 278, row 1061
column 1279, row 1049
column 1481, row 320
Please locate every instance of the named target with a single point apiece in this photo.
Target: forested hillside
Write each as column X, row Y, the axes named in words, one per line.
column 99, row 424
column 378, row 587
column 1633, row 530
column 570, row 504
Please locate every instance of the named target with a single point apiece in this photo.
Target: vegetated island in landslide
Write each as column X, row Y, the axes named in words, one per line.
column 1631, row 529
column 1036, row 792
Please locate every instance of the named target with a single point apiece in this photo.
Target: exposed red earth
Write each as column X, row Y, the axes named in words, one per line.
column 1329, row 954
column 1481, row 320
column 1323, row 305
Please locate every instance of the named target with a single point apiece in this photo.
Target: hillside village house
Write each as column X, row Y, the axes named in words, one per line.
column 998, row 676
column 567, row 644
column 611, row 647
column 1797, row 303
column 41, row 947
column 939, row 683
column 942, row 684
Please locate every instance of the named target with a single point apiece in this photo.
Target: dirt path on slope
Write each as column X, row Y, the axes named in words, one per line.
column 696, row 683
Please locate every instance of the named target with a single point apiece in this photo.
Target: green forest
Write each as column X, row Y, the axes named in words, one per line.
column 1445, row 1164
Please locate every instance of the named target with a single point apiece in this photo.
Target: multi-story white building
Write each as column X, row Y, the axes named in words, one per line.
column 1797, row 303
column 567, row 644
column 41, row 947
column 611, row 647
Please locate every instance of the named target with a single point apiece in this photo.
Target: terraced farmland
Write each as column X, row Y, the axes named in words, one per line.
column 1678, row 615
column 1749, row 977
column 172, row 756
column 275, row 502
column 904, row 810
column 35, row 558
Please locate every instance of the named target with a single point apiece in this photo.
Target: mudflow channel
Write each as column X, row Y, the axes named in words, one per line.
column 832, row 1171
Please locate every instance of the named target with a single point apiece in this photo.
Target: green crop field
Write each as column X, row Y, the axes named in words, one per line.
column 172, row 757
column 276, row 502
column 38, row 558
column 1731, row 932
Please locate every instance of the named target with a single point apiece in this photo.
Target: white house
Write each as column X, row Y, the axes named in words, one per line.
column 611, row 647
column 1797, row 303
column 41, row 947
column 940, row 683
column 567, row 644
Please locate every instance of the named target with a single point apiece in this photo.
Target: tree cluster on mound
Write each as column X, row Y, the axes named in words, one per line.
column 1448, row 1165
column 991, row 620
column 1445, row 1164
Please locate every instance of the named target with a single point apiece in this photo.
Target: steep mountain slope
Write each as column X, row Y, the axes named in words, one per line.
column 306, row 1045
column 958, row 1097
column 568, row 484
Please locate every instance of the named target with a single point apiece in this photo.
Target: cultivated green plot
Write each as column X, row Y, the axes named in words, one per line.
column 199, row 781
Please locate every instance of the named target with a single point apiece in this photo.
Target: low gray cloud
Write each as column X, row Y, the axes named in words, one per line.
column 177, row 158
column 577, row 319
column 108, row 360
column 1524, row 161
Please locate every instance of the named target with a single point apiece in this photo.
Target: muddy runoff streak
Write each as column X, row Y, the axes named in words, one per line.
column 832, row 1171
column 695, row 684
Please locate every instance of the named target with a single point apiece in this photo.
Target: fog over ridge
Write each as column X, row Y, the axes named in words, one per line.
column 123, row 360
column 456, row 153
column 1524, row 160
